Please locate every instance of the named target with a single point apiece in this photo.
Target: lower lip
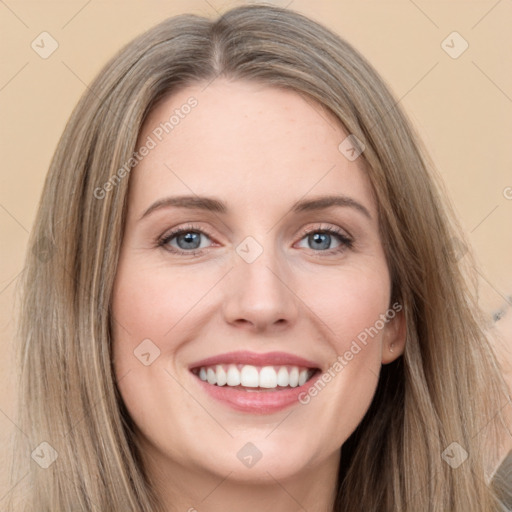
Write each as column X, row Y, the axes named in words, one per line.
column 257, row 402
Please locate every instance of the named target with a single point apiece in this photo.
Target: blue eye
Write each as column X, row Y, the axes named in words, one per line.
column 189, row 241
column 321, row 239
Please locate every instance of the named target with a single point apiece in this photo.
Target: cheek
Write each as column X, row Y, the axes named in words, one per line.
column 150, row 309
column 159, row 310
column 350, row 303
column 338, row 308
column 149, row 303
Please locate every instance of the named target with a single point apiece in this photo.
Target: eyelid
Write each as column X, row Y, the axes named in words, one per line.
column 346, row 240
column 170, row 234
column 328, row 228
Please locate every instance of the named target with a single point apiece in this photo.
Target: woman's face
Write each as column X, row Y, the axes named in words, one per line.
column 268, row 283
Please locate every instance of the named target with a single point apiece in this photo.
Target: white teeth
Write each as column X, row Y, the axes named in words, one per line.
column 294, row 377
column 283, row 377
column 211, row 376
column 268, row 377
column 233, row 376
column 249, row 376
column 221, row 375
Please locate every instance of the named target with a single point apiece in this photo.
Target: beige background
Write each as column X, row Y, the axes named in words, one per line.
column 461, row 106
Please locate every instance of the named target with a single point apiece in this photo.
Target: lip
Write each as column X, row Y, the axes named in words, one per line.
column 256, row 402
column 256, row 359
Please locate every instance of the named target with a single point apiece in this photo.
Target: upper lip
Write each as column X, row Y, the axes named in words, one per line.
column 256, row 359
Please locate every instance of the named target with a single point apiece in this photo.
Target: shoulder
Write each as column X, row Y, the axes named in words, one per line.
column 502, row 481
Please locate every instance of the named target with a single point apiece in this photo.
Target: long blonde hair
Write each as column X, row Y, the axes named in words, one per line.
column 446, row 388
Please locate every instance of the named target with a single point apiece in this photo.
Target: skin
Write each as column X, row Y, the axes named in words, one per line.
column 259, row 149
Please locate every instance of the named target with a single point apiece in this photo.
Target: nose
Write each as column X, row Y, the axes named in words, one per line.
column 260, row 296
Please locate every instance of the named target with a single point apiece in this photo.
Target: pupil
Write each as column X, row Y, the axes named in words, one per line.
column 190, row 238
column 321, row 240
column 318, row 238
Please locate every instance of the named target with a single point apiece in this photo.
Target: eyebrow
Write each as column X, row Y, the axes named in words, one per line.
column 216, row 206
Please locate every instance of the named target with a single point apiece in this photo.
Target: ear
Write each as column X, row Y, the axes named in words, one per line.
column 393, row 340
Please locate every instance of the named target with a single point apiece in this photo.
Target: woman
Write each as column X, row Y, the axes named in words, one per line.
column 319, row 347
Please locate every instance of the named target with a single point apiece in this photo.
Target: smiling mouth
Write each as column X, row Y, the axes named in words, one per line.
column 255, row 378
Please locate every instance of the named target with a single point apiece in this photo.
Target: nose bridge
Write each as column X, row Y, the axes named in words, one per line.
column 258, row 291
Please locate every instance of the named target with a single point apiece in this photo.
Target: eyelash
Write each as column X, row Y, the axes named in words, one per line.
column 345, row 241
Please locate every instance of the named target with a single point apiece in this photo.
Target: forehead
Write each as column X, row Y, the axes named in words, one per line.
column 248, row 142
